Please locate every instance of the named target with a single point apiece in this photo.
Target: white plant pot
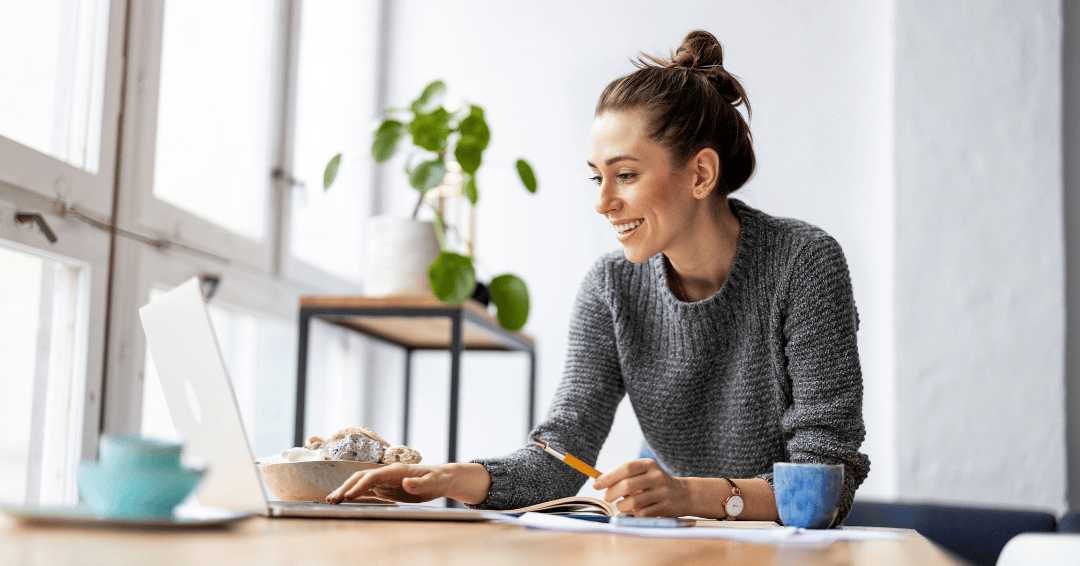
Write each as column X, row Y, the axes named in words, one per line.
column 398, row 253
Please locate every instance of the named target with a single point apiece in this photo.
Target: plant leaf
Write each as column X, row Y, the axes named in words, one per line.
column 330, row 173
column 428, row 175
column 468, row 187
column 430, row 131
column 511, row 298
column 528, row 178
column 468, row 154
column 386, row 141
column 452, row 278
column 428, row 99
column 474, row 126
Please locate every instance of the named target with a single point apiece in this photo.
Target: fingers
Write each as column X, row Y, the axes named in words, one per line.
column 361, row 483
column 374, row 482
column 630, row 486
column 637, row 502
column 338, row 495
column 623, row 471
column 660, row 508
column 642, row 475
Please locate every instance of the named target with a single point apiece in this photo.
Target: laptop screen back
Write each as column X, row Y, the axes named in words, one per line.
column 200, row 397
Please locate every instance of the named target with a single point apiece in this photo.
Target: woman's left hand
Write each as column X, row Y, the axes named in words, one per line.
column 646, row 490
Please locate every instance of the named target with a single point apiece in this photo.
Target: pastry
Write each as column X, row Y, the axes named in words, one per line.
column 361, row 430
column 400, row 454
column 356, row 447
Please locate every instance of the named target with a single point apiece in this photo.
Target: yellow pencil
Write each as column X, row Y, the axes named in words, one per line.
column 569, row 459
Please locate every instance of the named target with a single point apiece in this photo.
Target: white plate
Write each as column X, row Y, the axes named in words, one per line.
column 183, row 518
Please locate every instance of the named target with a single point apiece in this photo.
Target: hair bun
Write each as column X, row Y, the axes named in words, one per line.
column 698, row 49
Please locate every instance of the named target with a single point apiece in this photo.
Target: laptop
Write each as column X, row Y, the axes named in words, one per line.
column 204, row 410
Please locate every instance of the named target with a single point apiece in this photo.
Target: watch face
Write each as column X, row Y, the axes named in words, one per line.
column 733, row 506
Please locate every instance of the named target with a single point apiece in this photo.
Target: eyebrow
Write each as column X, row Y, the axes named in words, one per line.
column 615, row 159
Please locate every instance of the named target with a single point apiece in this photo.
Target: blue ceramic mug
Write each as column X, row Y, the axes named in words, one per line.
column 136, row 478
column 808, row 495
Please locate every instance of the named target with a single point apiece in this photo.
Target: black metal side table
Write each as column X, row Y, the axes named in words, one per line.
column 413, row 322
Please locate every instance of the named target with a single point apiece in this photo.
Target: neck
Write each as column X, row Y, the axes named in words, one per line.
column 702, row 259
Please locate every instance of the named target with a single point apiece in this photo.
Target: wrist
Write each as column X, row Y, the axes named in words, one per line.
column 706, row 497
column 469, row 483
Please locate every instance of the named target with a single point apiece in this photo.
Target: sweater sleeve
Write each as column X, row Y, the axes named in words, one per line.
column 581, row 413
column 823, row 420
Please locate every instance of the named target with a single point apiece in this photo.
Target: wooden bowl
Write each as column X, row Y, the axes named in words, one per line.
column 309, row 481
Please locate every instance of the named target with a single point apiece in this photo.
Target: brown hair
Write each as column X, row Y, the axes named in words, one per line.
column 690, row 100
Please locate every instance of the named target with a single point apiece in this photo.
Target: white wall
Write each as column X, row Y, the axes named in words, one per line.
column 818, row 75
column 979, row 249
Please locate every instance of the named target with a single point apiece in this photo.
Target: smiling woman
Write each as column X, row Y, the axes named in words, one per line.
column 733, row 332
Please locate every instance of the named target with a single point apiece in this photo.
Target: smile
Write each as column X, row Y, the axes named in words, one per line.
column 623, row 229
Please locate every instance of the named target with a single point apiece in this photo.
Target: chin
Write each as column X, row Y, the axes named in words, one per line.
column 635, row 255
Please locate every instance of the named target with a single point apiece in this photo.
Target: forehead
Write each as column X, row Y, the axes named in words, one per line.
column 621, row 132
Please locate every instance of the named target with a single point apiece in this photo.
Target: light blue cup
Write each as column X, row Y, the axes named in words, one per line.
column 136, row 478
column 808, row 495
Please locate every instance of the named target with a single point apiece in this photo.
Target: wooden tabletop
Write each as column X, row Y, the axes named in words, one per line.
column 417, row 332
column 265, row 542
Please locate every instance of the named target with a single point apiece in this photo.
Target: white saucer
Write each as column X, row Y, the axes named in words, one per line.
column 185, row 517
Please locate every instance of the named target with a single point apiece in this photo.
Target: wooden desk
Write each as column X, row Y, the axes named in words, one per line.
column 269, row 542
column 413, row 322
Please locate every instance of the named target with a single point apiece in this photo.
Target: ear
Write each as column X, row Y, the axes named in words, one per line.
column 705, row 170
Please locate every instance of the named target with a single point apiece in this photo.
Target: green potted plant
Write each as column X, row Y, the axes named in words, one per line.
column 445, row 140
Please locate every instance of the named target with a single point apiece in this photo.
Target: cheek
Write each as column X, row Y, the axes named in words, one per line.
column 664, row 202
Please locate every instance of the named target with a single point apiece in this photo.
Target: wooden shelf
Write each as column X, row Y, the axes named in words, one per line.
column 374, row 316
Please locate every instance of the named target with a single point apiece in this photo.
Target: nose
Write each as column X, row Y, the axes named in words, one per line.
column 605, row 198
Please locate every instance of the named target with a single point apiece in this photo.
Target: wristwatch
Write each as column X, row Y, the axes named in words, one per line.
column 733, row 505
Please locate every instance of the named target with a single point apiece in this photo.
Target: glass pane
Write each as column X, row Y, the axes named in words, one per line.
column 52, row 58
column 334, row 114
column 214, row 111
column 335, row 394
column 260, row 356
column 41, row 340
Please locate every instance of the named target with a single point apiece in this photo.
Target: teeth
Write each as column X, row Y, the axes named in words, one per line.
column 621, row 228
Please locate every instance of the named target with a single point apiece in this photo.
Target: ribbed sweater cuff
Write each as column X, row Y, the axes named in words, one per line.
column 501, row 485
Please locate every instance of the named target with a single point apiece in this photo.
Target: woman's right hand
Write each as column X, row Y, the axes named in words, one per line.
column 414, row 483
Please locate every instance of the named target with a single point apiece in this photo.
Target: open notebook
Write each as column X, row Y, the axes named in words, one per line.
column 578, row 505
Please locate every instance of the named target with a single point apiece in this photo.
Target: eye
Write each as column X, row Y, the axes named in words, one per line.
column 596, row 180
column 627, row 176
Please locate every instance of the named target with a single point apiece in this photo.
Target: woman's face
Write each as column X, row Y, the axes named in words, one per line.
column 648, row 204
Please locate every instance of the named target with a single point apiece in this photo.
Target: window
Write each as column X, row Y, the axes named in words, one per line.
column 215, row 111
column 42, row 349
column 335, row 113
column 211, row 109
column 54, row 50
column 60, row 60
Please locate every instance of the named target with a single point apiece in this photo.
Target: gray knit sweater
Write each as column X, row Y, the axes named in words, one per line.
column 766, row 370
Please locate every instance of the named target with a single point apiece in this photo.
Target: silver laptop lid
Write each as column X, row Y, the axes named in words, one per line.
column 200, row 397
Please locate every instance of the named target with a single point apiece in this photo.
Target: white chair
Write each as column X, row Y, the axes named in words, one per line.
column 1041, row 549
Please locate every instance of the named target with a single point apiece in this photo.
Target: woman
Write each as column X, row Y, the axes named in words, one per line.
column 732, row 332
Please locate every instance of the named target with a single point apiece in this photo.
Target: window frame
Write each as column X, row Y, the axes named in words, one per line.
column 150, row 214
column 260, row 278
column 26, row 168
